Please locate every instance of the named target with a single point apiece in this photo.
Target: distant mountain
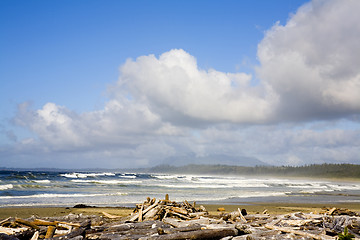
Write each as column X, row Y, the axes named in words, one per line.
column 213, row 160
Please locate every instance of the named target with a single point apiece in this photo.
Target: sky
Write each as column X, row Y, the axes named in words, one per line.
column 125, row 84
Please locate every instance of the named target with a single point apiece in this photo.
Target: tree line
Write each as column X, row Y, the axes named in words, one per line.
column 325, row 170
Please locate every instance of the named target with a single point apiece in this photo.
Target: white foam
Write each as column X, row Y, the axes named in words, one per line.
column 42, row 181
column 128, row 176
column 166, row 177
column 51, row 195
column 85, row 175
column 106, row 181
column 261, row 194
column 6, row 186
column 344, row 187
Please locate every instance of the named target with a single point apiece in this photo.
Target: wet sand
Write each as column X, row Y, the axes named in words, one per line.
column 272, row 208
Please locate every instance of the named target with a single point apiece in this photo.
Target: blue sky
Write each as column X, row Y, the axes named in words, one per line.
column 136, row 83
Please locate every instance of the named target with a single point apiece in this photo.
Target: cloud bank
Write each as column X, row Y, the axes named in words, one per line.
column 166, row 106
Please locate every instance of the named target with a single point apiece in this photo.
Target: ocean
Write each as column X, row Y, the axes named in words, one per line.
column 66, row 189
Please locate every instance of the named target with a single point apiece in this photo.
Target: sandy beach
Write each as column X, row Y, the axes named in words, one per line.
column 272, row 208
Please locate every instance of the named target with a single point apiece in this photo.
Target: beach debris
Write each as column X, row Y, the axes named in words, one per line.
column 168, row 220
column 111, row 216
column 339, row 211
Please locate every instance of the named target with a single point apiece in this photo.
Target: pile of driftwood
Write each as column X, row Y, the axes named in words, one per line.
column 167, row 220
column 153, row 209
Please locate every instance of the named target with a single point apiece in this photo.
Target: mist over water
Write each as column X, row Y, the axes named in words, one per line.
column 24, row 188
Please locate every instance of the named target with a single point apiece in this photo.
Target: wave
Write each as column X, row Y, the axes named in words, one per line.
column 22, row 186
column 259, row 195
column 211, row 182
column 53, row 195
column 113, row 182
column 128, row 175
column 339, row 187
column 42, row 181
column 85, row 175
column 6, row 186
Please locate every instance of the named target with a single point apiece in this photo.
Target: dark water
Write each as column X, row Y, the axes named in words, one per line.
column 124, row 189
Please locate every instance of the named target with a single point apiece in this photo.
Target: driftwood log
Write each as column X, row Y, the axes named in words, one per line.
column 166, row 220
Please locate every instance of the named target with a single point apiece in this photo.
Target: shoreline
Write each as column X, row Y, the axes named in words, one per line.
column 251, row 208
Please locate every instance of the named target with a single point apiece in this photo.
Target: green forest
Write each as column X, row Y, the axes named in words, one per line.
column 314, row 170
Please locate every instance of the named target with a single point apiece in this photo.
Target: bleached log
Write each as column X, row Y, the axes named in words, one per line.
column 180, row 229
column 179, row 210
column 198, row 214
column 179, row 215
column 256, row 216
column 66, row 226
column 331, row 211
column 219, row 226
column 120, row 227
column 268, row 234
column 296, row 222
column 134, row 217
column 5, row 220
column 199, row 234
column 241, row 216
column 11, row 231
column 59, row 232
column 152, row 213
column 137, row 225
column 132, row 233
column 174, row 222
column 108, row 215
column 35, row 236
column 151, row 207
column 70, row 224
column 141, row 213
column 298, row 232
column 177, row 223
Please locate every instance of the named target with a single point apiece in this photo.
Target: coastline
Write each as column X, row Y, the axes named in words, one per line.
column 252, row 208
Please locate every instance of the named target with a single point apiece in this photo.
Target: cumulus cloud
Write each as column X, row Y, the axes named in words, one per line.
column 174, row 87
column 118, row 124
column 312, row 61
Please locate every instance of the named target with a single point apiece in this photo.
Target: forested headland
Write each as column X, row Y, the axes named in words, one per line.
column 314, row 170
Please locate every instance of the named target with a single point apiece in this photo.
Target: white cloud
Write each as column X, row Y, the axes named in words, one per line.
column 118, row 124
column 174, row 87
column 312, row 62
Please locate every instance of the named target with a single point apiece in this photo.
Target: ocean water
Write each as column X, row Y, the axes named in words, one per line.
column 36, row 188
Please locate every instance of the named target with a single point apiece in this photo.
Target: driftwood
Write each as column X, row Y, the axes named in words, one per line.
column 35, row 236
column 297, row 232
column 199, row 234
column 166, row 220
column 50, row 232
column 76, row 232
